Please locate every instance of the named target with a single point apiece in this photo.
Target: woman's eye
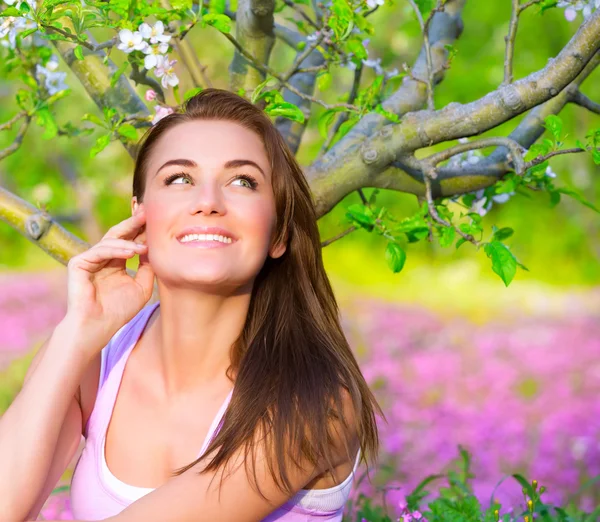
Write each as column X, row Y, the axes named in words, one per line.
column 249, row 181
column 177, row 179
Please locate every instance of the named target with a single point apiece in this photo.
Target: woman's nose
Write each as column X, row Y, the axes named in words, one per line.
column 207, row 198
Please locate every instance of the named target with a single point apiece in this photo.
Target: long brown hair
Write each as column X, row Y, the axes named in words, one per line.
column 291, row 360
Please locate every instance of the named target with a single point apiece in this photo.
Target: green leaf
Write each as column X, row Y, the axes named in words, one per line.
column 447, row 236
column 395, row 257
column 25, row 99
column 94, row 119
column 503, row 233
column 503, row 261
column 578, row 197
column 26, row 33
column 554, row 124
column 128, row 131
column 389, row 115
column 324, row 80
column 425, row 6
column 45, row 119
column 101, row 144
column 29, row 81
column 220, row 21
column 191, row 92
column 118, row 73
column 58, row 96
column 181, row 4
column 361, row 215
column 460, row 242
column 257, row 94
column 287, row 110
column 325, row 120
column 554, row 198
column 356, row 46
column 10, row 11
column 78, row 52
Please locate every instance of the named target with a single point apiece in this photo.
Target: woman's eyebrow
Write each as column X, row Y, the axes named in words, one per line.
column 228, row 165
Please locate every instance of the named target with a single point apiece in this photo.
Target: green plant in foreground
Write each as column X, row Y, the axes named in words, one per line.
column 456, row 502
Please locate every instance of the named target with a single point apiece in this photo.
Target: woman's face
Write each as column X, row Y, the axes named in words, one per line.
column 209, row 174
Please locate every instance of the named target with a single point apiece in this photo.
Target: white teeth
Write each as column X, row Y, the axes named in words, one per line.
column 205, row 237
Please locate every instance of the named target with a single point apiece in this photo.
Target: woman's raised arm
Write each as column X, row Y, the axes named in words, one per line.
column 45, row 417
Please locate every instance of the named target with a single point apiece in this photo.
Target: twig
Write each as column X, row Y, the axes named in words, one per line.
column 344, row 116
column 297, row 8
column 526, row 5
column 266, row 69
column 578, row 98
column 18, row 139
column 13, row 120
column 541, row 159
column 140, row 77
column 429, row 174
column 426, row 44
column 302, row 56
column 84, row 43
column 515, row 149
column 510, row 42
column 313, row 69
column 339, row 236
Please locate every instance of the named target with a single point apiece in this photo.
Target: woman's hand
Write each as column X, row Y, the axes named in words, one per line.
column 102, row 296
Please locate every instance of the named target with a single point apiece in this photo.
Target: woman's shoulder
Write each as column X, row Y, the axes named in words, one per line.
column 100, row 367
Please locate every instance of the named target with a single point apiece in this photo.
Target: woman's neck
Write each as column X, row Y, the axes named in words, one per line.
column 191, row 336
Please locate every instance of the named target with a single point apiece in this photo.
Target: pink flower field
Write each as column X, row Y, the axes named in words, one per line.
column 520, row 394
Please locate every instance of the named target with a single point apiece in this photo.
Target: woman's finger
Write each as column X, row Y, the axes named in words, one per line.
column 95, row 258
column 128, row 228
column 138, row 246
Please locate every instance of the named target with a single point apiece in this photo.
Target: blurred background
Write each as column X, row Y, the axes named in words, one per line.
column 511, row 374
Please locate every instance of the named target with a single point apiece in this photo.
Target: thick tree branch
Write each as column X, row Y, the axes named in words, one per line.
column 426, row 128
column 95, row 77
column 444, row 29
column 37, row 226
column 254, row 33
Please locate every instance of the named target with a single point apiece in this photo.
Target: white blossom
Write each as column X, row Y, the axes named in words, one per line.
column 481, row 206
column 502, row 198
column 375, row 64
column 572, row 7
column 53, row 81
column 10, row 27
column 165, row 71
column 161, row 112
column 131, row 41
column 155, row 32
column 373, row 3
column 549, row 172
column 153, row 53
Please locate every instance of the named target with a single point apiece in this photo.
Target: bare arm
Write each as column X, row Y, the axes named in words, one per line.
column 44, row 418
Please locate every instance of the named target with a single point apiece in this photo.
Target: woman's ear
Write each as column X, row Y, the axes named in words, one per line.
column 134, row 206
column 279, row 249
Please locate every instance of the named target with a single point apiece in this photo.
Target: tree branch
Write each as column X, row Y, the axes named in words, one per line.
column 510, row 42
column 254, row 32
column 14, row 146
column 95, row 77
column 37, row 226
column 444, row 29
column 426, row 128
column 578, row 98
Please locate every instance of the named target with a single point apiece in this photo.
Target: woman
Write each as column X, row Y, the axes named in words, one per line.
column 243, row 350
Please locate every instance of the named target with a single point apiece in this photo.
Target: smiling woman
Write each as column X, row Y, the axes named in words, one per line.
column 243, row 351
